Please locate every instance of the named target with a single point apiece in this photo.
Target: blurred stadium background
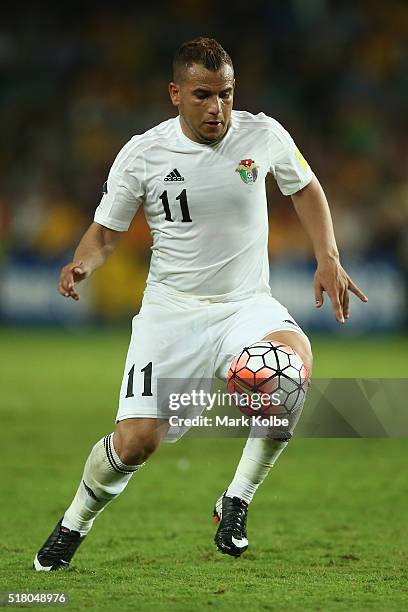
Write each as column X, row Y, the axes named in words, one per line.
column 76, row 86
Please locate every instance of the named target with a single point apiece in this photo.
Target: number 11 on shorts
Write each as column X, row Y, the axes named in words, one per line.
column 147, row 385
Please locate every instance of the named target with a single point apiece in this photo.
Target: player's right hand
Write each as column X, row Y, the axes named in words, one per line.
column 72, row 273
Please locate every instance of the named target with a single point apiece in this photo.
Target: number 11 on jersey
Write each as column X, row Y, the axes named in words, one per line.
column 147, row 385
column 182, row 197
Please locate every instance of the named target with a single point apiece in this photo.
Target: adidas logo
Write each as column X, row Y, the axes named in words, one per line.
column 174, row 175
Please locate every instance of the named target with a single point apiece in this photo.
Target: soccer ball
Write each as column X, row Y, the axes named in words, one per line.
column 267, row 378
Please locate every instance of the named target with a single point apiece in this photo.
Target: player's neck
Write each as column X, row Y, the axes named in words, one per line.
column 194, row 136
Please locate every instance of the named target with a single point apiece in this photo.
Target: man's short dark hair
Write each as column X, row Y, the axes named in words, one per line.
column 205, row 51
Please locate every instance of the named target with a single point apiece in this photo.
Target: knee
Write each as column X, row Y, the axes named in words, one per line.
column 303, row 348
column 134, row 450
column 306, row 355
column 297, row 342
column 134, row 446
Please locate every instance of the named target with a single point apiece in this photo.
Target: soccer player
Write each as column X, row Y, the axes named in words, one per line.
column 201, row 180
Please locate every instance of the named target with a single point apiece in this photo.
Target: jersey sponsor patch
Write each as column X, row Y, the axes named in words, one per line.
column 105, row 188
column 248, row 171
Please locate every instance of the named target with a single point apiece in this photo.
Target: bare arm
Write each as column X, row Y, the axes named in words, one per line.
column 95, row 246
column 314, row 213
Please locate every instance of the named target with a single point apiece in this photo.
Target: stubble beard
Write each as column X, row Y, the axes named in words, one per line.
column 203, row 139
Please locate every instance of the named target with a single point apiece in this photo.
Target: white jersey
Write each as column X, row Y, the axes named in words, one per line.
column 205, row 204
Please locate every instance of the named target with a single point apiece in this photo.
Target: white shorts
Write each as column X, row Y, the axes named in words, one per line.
column 185, row 338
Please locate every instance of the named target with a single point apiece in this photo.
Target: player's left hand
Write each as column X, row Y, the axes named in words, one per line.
column 331, row 277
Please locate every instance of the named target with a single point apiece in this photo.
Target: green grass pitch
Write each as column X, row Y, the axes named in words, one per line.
column 327, row 528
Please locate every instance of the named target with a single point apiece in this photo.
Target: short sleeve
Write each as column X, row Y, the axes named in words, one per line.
column 287, row 164
column 123, row 192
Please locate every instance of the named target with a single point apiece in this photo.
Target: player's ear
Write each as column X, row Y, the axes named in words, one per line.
column 174, row 92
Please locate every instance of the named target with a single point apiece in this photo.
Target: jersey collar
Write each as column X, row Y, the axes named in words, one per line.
column 198, row 145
